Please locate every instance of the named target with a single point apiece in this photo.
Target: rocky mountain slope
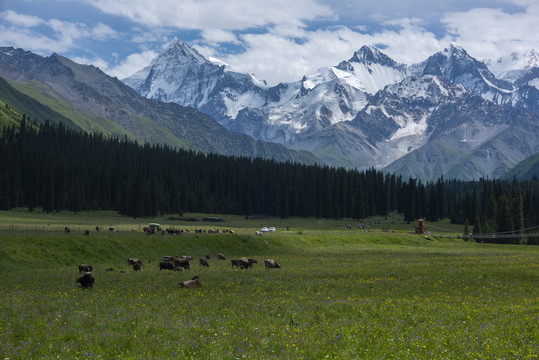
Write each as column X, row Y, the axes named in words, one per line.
column 91, row 91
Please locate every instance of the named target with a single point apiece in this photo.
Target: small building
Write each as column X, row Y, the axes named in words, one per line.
column 421, row 227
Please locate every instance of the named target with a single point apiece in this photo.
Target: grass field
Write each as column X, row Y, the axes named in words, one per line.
column 339, row 294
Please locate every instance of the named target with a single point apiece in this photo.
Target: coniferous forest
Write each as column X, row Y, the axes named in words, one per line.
column 59, row 169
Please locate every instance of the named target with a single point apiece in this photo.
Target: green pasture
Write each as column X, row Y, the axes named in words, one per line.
column 339, row 294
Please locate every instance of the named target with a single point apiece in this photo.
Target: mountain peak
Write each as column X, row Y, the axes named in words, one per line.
column 369, row 54
column 455, row 50
column 180, row 49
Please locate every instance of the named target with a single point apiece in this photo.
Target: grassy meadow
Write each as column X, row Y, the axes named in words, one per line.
column 339, row 294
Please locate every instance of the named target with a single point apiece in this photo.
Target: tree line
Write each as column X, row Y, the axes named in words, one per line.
column 55, row 168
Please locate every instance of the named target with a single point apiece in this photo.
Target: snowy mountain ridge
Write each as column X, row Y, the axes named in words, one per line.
column 366, row 111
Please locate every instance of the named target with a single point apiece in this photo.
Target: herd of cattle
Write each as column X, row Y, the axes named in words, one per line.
column 175, row 263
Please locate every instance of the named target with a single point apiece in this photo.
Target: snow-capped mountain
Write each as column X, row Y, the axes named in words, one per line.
column 455, row 64
column 245, row 104
column 366, row 111
column 181, row 75
column 513, row 66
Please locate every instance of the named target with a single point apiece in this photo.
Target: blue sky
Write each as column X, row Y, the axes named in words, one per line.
column 277, row 40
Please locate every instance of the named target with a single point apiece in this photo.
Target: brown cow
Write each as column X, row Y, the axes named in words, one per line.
column 243, row 263
column 271, row 264
column 133, row 261
column 194, row 282
column 180, row 262
column 85, row 268
column 87, row 280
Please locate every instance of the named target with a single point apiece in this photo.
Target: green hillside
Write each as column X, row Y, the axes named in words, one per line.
column 8, row 116
column 526, row 169
column 40, row 102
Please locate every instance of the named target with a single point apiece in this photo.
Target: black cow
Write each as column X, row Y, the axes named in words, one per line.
column 204, row 262
column 166, row 265
column 137, row 267
column 221, row 257
column 87, row 280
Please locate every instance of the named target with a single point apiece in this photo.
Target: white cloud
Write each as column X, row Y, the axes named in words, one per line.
column 130, row 65
column 51, row 35
column 276, row 57
column 492, row 33
column 216, row 36
column 26, row 21
column 215, row 14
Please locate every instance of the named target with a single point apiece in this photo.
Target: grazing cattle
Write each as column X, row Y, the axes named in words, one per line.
column 86, row 232
column 221, row 257
column 87, row 280
column 271, row 264
column 186, row 257
column 207, row 257
column 137, row 267
column 97, row 228
column 259, row 233
column 111, row 228
column 204, row 262
column 166, row 265
column 67, row 229
column 247, row 263
column 133, row 261
column 85, row 268
column 168, row 258
column 243, row 263
column 183, row 263
column 194, row 282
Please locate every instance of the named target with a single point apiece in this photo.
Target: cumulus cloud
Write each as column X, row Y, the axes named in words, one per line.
column 278, row 40
column 492, row 33
column 277, row 57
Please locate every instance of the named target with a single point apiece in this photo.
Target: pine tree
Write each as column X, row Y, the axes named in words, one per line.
column 466, row 229
column 517, row 215
column 476, row 225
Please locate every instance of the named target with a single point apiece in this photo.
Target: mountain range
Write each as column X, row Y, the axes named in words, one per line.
column 57, row 89
column 448, row 115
